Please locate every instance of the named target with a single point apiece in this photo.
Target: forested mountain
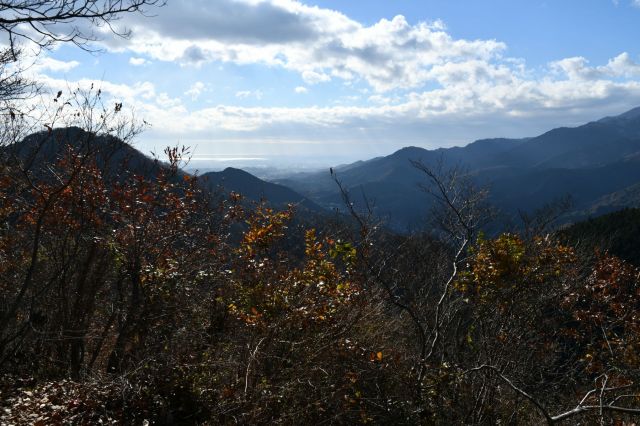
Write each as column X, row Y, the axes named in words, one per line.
column 597, row 164
column 110, row 153
column 616, row 233
column 255, row 189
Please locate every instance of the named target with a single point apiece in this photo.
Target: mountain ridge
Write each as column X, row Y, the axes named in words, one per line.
column 589, row 161
column 597, row 163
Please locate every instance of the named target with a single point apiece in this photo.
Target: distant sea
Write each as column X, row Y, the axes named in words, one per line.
column 264, row 167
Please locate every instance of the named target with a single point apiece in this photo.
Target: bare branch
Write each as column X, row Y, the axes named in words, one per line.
column 42, row 21
column 515, row 388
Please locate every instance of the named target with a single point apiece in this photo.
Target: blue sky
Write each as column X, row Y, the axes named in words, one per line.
column 333, row 81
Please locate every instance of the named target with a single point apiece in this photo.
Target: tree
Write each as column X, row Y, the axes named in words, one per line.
column 54, row 187
column 545, row 331
column 46, row 22
column 417, row 276
column 43, row 23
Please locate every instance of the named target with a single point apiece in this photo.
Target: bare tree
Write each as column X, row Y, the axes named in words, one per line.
column 427, row 298
column 44, row 23
column 600, row 400
column 27, row 170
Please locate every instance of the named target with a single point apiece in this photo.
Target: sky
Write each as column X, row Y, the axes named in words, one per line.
column 326, row 82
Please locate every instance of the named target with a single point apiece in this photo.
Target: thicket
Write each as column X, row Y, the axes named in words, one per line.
column 129, row 294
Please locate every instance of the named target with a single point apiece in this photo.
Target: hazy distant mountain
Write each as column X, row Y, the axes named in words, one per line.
column 252, row 188
column 117, row 157
column 598, row 164
column 624, row 198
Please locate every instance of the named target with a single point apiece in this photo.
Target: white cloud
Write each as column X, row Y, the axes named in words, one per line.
column 49, row 64
column 243, row 94
column 301, row 90
column 312, row 77
column 163, row 100
column 383, row 100
column 635, row 3
column 194, row 55
column 138, row 61
column 195, row 90
column 492, row 96
column 439, row 25
column 457, row 113
column 318, row 43
column 139, row 93
column 622, row 66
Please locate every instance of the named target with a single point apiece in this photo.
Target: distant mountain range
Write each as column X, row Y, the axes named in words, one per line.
column 597, row 164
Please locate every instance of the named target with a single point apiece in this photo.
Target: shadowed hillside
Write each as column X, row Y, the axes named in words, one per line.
column 597, row 164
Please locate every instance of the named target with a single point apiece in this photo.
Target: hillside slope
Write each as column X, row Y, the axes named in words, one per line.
column 597, row 164
column 255, row 189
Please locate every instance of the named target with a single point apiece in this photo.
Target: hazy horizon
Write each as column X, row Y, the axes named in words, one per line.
column 266, row 166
